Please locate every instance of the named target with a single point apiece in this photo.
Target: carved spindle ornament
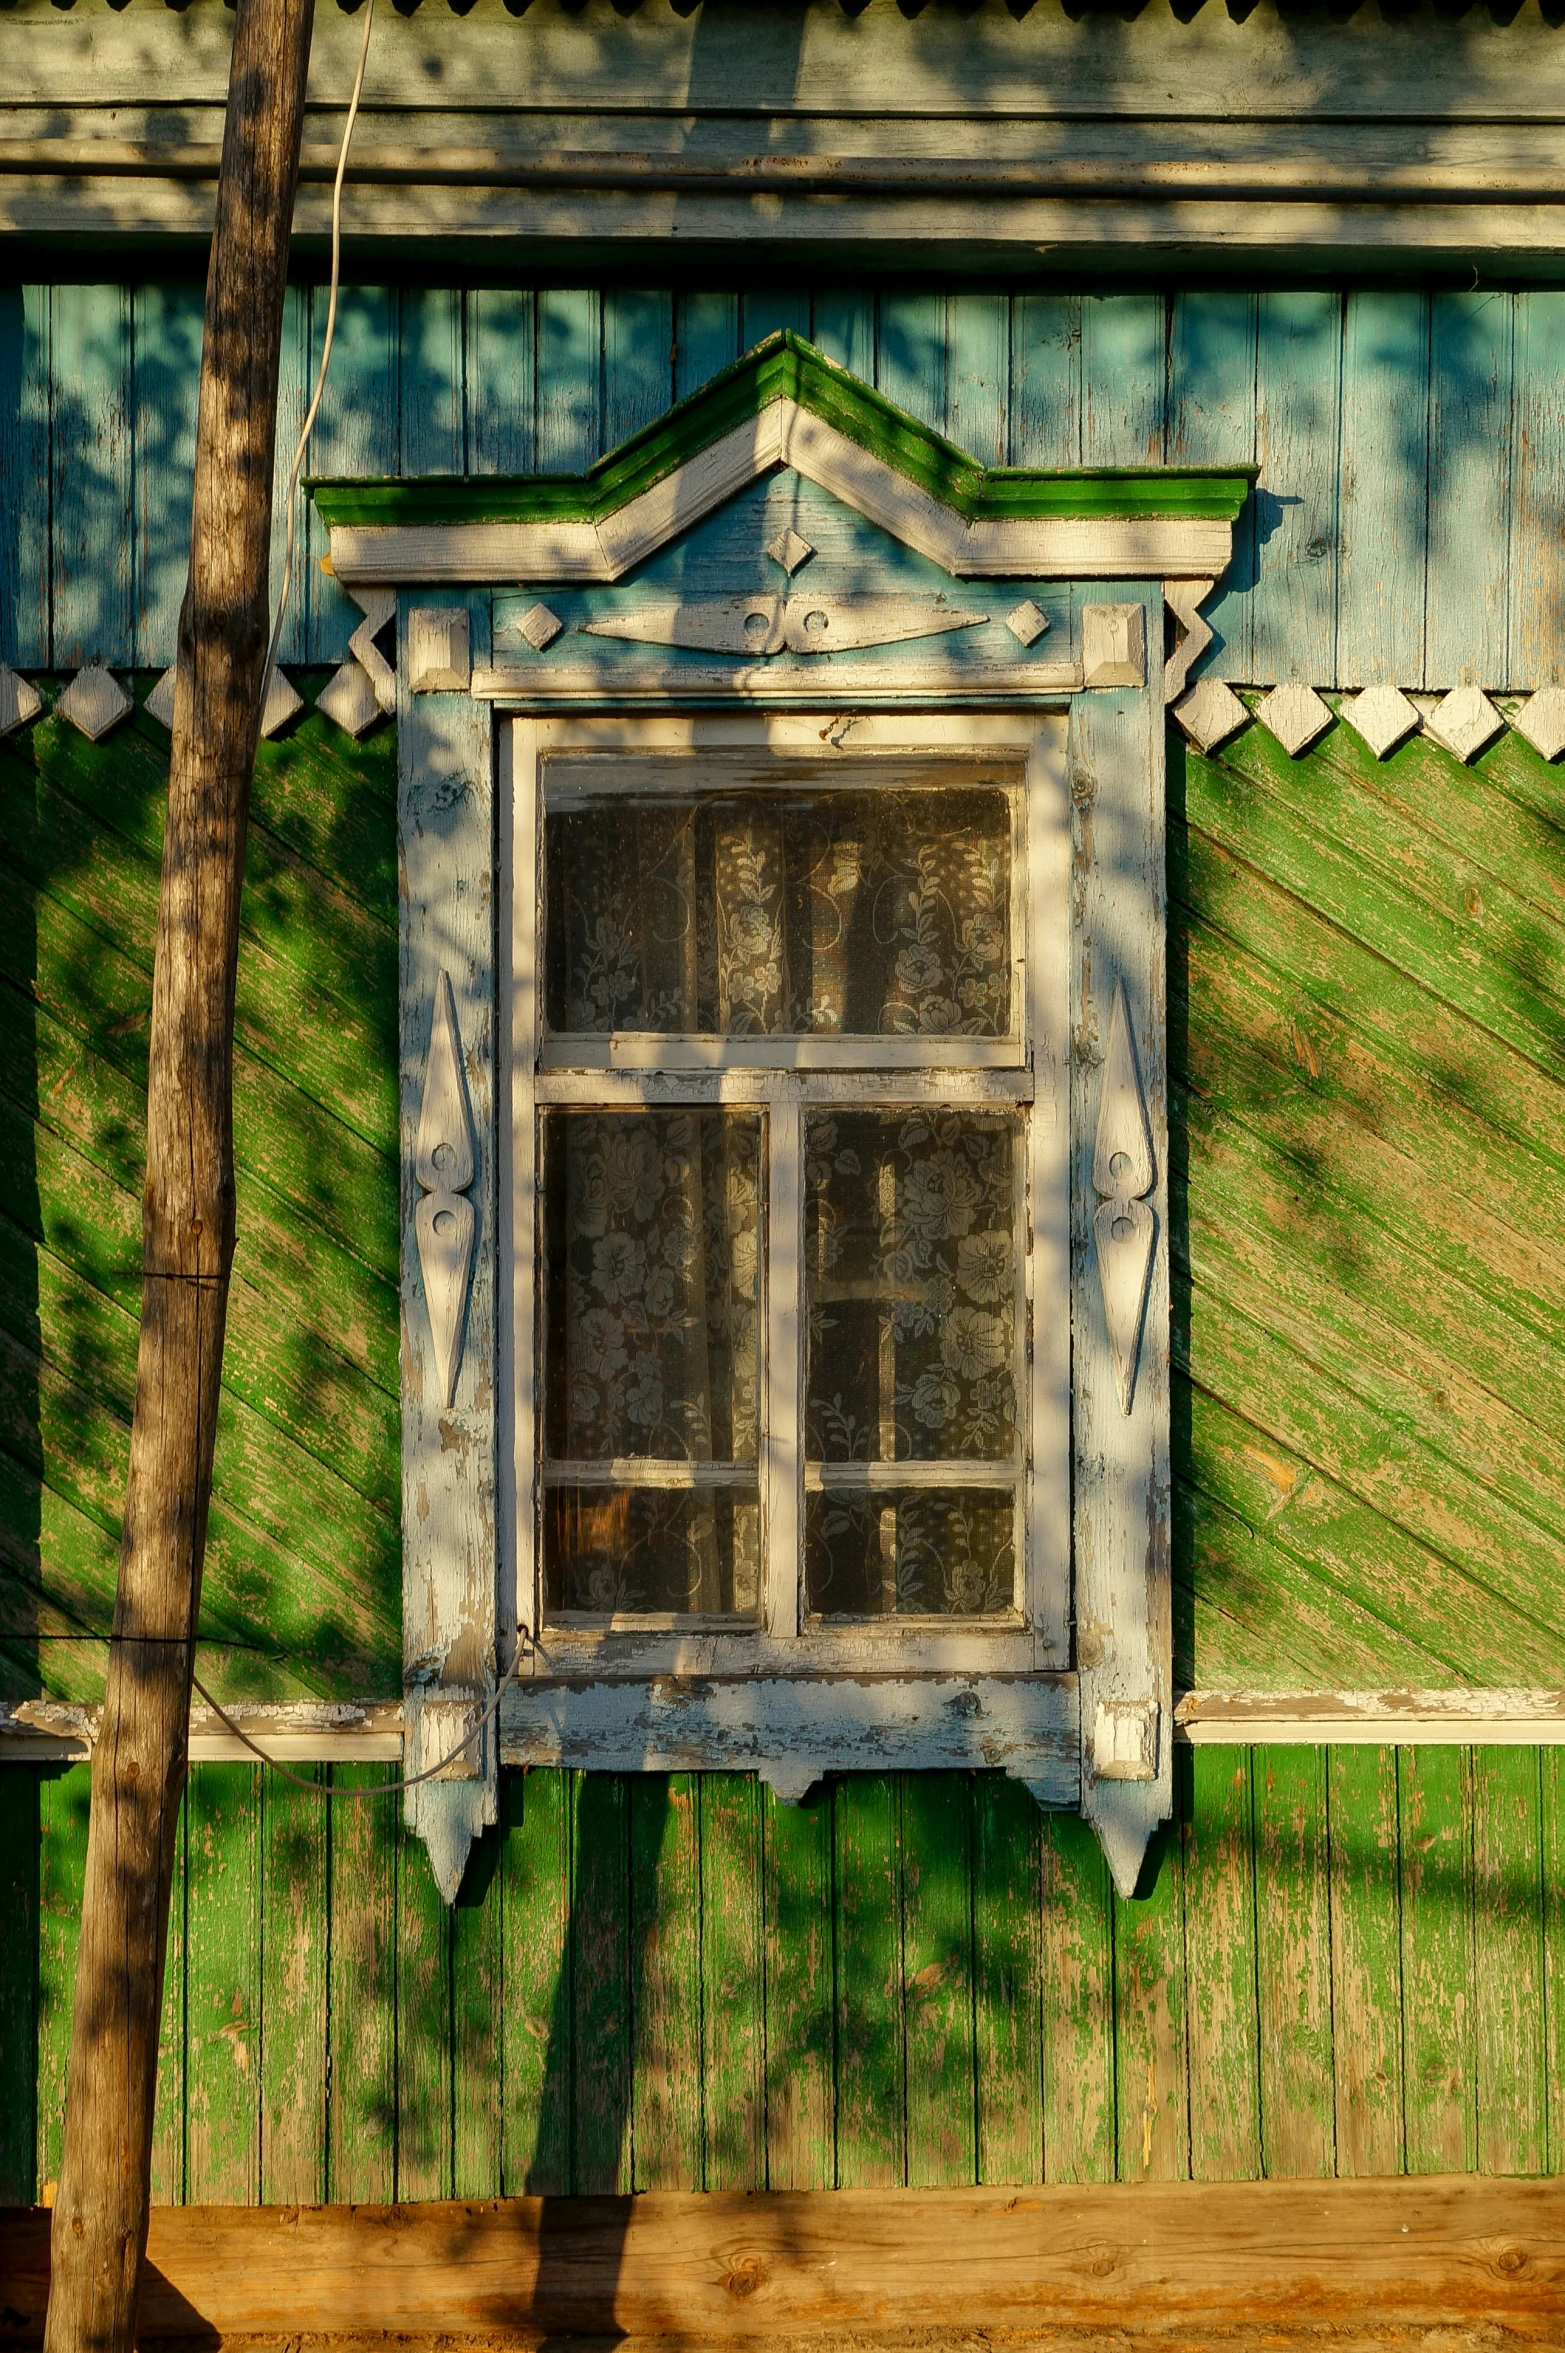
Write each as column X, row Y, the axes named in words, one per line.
column 445, row 1162
column 1125, row 1227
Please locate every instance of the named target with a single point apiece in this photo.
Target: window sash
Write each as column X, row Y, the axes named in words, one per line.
column 773, row 1073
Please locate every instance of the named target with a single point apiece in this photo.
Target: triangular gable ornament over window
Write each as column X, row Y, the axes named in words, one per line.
column 781, row 813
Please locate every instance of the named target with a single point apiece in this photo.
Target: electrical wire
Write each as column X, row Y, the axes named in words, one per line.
column 308, row 427
column 379, row 1788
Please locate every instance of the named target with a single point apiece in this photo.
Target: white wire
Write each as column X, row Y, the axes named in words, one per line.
column 320, row 382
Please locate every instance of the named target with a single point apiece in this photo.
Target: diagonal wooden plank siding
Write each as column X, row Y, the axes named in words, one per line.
column 1411, row 445
column 304, row 1576
column 1350, row 1964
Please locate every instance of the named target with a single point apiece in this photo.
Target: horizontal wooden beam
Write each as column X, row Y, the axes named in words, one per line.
column 1289, row 2257
column 1379, row 1719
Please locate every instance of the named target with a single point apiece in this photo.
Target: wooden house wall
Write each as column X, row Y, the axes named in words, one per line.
column 1343, row 1962
column 1352, row 1963
column 1411, row 446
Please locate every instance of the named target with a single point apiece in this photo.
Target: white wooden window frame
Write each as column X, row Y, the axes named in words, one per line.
column 785, row 1079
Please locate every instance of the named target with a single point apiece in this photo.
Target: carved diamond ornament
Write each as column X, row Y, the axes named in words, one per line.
column 1383, row 717
column 365, row 688
column 20, row 701
column 1541, row 720
column 94, row 702
column 1295, row 715
column 1125, row 1226
column 1210, row 713
column 790, row 549
column 1465, row 721
column 283, row 700
column 1027, row 622
column 445, row 1164
column 540, row 627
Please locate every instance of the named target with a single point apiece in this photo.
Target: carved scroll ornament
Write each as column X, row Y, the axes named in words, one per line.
column 445, row 1163
column 1125, row 1227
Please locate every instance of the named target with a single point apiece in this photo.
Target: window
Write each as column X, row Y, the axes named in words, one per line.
column 789, row 1191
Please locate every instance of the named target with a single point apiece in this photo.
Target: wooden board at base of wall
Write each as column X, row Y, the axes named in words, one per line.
column 1186, row 2264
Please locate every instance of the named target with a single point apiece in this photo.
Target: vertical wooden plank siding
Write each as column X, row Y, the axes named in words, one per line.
column 763, row 313
column 501, row 388
column 1435, row 1806
column 638, row 361
column 432, row 359
column 1079, row 2141
column 1211, row 422
column 733, row 1984
column 1535, row 628
column 842, row 324
column 1553, row 1795
column 801, row 2005
column 1293, row 611
column 871, row 2145
column 170, row 2115
column 357, row 431
column 665, row 1939
column 24, row 476
column 601, row 1983
column 706, row 339
column 477, row 1928
column 1384, row 493
column 90, row 453
column 937, row 1977
column 166, row 327
column 1293, row 1963
column 536, row 2026
column 1366, row 1960
column 1469, row 489
column 1007, row 1981
column 62, row 1829
column 19, row 1910
column 1151, row 2059
column 1046, row 380
column 1123, row 359
column 1509, row 1961
column 1220, row 1969
column 294, row 2018
column 423, row 2047
column 570, row 345
column 978, row 374
column 293, row 400
column 223, row 1987
column 361, row 2106
column 913, row 355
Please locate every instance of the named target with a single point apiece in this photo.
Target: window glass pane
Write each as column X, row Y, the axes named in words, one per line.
column 911, row 1286
column 652, row 1285
column 923, row 1552
column 652, row 1549
column 862, row 912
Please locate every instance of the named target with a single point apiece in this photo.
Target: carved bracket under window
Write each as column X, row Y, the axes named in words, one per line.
column 1125, row 1227
column 444, row 1163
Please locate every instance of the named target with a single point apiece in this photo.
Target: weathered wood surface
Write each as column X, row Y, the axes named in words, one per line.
column 675, row 1982
column 1289, row 2256
column 1344, row 571
column 1410, row 132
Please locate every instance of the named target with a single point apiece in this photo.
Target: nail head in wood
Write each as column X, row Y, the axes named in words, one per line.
column 439, row 656
column 1541, row 720
column 94, row 702
column 1114, row 645
column 1465, row 721
column 1382, row 717
column 1210, row 713
column 1295, row 715
column 20, row 701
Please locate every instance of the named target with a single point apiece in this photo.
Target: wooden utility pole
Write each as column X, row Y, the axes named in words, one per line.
column 138, row 1765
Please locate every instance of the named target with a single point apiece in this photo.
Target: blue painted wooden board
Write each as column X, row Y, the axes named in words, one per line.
column 1412, row 449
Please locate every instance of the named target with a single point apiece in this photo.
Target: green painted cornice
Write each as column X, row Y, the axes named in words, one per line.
column 785, row 367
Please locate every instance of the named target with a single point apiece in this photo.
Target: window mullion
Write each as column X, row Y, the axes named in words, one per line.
column 783, row 1363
